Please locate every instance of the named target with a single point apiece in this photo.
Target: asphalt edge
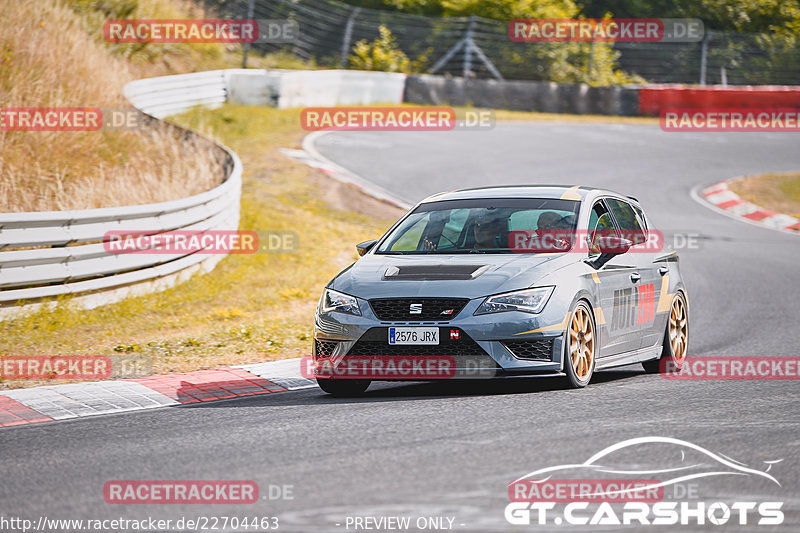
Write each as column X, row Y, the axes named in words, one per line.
column 310, row 156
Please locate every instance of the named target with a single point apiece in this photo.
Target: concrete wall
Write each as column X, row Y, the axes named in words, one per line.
column 253, row 87
column 654, row 99
column 327, row 88
column 310, row 88
column 340, row 87
column 546, row 97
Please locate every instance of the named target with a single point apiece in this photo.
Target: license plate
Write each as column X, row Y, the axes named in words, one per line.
column 413, row 335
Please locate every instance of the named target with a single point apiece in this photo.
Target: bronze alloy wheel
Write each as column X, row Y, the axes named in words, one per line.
column 676, row 340
column 678, row 330
column 581, row 346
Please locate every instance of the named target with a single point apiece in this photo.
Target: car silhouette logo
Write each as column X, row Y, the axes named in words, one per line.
column 703, row 464
column 415, row 309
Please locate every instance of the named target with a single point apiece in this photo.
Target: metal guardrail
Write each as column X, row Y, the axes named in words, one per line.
column 170, row 95
column 65, row 253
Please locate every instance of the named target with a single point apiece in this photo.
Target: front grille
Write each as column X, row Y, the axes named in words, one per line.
column 376, row 342
column 399, row 309
column 324, row 348
column 531, row 349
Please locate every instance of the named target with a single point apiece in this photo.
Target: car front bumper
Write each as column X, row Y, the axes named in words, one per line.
column 482, row 346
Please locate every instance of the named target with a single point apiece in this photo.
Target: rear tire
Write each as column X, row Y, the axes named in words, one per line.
column 343, row 387
column 580, row 346
column 676, row 340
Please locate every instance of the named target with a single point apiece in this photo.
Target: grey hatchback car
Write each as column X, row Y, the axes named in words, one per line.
column 539, row 280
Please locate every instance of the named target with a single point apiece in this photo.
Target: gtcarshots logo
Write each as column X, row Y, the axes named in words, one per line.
column 617, row 494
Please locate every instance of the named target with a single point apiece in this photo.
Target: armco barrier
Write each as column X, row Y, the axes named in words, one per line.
column 546, row 97
column 67, row 255
column 50, row 254
column 654, row 99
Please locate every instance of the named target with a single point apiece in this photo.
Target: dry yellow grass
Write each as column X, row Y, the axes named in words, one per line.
column 250, row 308
column 779, row 192
column 49, row 60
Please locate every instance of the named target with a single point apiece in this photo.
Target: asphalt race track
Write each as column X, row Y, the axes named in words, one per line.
column 450, row 449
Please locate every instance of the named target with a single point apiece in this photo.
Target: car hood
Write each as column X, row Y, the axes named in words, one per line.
column 470, row 276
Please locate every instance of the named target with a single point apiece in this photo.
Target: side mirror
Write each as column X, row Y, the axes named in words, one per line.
column 613, row 244
column 609, row 246
column 364, row 247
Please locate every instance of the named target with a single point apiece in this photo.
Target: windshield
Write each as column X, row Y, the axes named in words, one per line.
column 477, row 226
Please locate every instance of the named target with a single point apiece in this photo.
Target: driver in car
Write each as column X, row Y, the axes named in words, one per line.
column 552, row 229
column 549, row 220
column 488, row 233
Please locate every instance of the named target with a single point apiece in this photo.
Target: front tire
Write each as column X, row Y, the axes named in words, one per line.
column 580, row 346
column 343, row 387
column 676, row 340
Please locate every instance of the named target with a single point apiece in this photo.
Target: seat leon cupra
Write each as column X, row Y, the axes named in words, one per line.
column 504, row 281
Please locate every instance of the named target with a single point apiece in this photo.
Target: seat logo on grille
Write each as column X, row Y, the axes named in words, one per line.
column 415, row 309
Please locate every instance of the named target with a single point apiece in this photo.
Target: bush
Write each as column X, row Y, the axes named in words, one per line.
column 385, row 55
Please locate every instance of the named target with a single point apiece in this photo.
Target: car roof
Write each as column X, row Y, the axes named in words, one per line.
column 565, row 192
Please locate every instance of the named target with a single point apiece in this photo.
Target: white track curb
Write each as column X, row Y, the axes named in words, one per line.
column 78, row 400
column 719, row 197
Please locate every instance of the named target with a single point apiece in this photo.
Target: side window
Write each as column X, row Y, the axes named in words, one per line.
column 627, row 220
column 640, row 216
column 600, row 224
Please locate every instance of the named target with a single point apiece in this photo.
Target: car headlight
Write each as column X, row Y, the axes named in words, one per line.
column 528, row 301
column 337, row 301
